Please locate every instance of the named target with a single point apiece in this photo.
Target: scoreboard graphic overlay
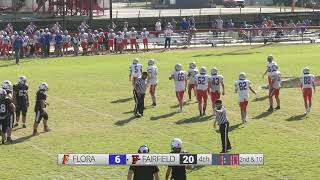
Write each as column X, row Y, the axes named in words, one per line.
column 161, row 159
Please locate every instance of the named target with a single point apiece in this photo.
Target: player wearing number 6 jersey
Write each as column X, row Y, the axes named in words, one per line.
column 214, row 84
column 242, row 87
column 307, row 83
column 275, row 87
column 202, row 87
column 269, row 69
column 135, row 71
column 180, row 79
column 152, row 79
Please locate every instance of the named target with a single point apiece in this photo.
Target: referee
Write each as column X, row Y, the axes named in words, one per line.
column 222, row 120
column 139, row 93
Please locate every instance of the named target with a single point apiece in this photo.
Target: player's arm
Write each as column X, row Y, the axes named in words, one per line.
column 168, row 173
column 171, row 77
column 13, row 107
column 235, row 88
column 130, row 174
column 265, row 73
column 156, row 176
column 130, row 74
column 222, row 85
column 314, row 86
column 252, row 90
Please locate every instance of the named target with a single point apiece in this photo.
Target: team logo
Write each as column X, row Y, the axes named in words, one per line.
column 135, row 158
column 65, row 158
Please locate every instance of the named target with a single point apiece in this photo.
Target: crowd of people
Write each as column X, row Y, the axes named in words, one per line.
column 14, row 103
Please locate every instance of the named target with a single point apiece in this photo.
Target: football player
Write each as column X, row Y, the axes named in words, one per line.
column 215, row 85
column 307, row 83
column 191, row 81
column 66, row 42
column 83, row 36
column 202, row 87
column 135, row 71
column 145, row 39
column 275, row 87
column 111, row 36
column 6, row 107
column 21, row 99
column 6, row 85
column 269, row 70
column 153, row 80
column 177, row 172
column 40, row 109
column 180, row 79
column 242, row 87
column 133, row 39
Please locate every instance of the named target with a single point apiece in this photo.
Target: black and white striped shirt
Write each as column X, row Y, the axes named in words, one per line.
column 221, row 115
column 140, row 86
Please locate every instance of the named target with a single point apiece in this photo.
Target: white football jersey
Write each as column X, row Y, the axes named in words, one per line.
column 6, row 40
column 191, row 74
column 135, row 70
column 307, row 80
column 202, row 81
column 215, row 82
column 269, row 67
column 66, row 39
column 242, row 86
column 179, row 80
column 83, row 37
column 145, row 35
column 133, row 35
column 276, row 79
column 153, row 72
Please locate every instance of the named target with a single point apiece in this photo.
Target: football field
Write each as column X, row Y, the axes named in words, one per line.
column 91, row 107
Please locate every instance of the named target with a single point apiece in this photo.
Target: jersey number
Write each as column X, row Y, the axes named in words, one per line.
column 23, row 93
column 201, row 80
column 307, row 80
column 180, row 77
column 243, row 86
column 136, row 69
column 216, row 81
column 2, row 108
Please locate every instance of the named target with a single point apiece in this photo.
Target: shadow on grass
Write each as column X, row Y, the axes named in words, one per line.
column 125, row 121
column 163, row 116
column 131, row 112
column 263, row 115
column 231, row 128
column 16, row 129
column 234, row 53
column 21, row 139
column 196, row 119
column 186, row 103
column 13, row 62
column 122, row 100
column 260, row 98
column 297, row 117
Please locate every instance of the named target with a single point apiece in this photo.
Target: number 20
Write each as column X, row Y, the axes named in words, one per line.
column 188, row 159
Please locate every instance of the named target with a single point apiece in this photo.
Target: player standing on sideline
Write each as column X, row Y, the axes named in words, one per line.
column 6, row 106
column 307, row 83
column 111, row 36
column 275, row 87
column 202, row 86
column 66, row 42
column 180, row 79
column 40, row 109
column 83, row 36
column 143, row 172
column 135, row 71
column 152, row 80
column 191, row 81
column 177, row 172
column 21, row 99
column 242, row 87
column 222, row 120
column 145, row 40
column 269, row 69
column 133, row 39
column 215, row 82
column 6, row 85
column 6, row 41
column 119, row 42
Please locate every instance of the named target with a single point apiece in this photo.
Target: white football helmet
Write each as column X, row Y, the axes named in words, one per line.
column 242, row 76
column 144, row 149
column 203, row 70
column 214, row 71
column 178, row 67
column 192, row 65
column 135, row 61
column 6, row 84
column 22, row 80
column 151, row 62
column 275, row 67
column 306, row 70
column 270, row 58
column 3, row 93
column 44, row 86
column 176, row 143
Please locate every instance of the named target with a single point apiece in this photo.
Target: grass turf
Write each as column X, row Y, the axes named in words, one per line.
column 91, row 112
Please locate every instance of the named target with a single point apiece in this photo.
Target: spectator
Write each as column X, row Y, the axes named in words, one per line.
column 75, row 44
column 47, row 40
column 17, row 45
column 158, row 27
column 219, row 24
column 58, row 42
column 192, row 21
column 184, row 25
column 167, row 34
column 230, row 26
column 125, row 25
column 112, row 26
column 174, row 24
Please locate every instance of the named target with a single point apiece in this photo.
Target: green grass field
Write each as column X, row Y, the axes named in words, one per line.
column 91, row 112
